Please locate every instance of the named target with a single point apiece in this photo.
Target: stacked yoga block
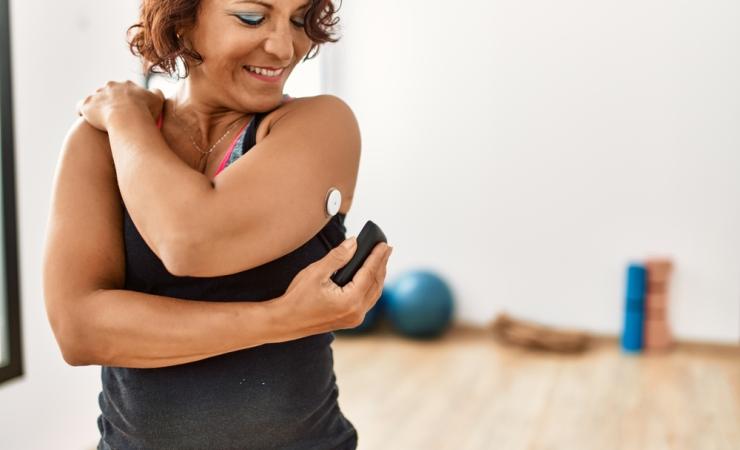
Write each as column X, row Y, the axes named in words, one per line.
column 646, row 304
column 656, row 332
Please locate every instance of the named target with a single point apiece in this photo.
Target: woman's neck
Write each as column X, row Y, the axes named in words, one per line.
column 205, row 121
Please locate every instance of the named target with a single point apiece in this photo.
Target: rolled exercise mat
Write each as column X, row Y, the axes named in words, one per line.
column 529, row 334
column 634, row 308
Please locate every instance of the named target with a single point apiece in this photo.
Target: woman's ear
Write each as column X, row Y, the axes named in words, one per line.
column 183, row 37
column 183, row 40
column 187, row 53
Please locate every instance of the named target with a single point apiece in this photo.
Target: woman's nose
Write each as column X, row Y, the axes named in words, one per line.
column 280, row 43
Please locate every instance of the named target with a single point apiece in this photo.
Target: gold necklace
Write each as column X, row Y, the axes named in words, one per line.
column 197, row 147
column 195, row 144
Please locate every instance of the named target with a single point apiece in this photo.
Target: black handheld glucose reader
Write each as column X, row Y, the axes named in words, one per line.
column 369, row 237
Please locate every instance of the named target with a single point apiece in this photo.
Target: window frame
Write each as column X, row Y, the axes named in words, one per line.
column 11, row 297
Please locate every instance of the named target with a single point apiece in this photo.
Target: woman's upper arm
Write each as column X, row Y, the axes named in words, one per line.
column 84, row 237
column 272, row 199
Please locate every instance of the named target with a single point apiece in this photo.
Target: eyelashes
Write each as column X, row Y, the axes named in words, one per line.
column 254, row 20
column 251, row 19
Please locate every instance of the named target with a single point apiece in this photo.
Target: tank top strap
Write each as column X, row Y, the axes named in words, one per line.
column 250, row 138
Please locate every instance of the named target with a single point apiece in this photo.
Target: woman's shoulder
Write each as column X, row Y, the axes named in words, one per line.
column 313, row 100
column 316, row 103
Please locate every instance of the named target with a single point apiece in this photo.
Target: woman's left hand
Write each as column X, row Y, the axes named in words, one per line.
column 119, row 98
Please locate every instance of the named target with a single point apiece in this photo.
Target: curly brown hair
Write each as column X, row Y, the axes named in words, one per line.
column 156, row 37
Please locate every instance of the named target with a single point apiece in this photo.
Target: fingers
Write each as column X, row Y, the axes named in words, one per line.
column 363, row 278
column 156, row 91
column 379, row 274
column 108, row 85
column 367, row 274
column 366, row 287
column 80, row 104
column 379, row 277
column 337, row 258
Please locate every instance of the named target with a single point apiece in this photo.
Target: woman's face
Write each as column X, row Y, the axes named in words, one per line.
column 233, row 34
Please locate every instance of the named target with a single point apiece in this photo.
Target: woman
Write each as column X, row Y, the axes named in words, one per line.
column 188, row 251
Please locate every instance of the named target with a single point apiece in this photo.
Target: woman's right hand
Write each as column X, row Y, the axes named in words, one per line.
column 122, row 98
column 315, row 304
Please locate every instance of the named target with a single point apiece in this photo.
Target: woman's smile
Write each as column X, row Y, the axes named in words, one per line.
column 265, row 75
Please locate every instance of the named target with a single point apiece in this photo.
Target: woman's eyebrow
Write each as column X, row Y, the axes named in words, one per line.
column 268, row 5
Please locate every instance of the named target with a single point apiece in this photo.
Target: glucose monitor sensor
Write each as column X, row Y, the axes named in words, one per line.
column 333, row 201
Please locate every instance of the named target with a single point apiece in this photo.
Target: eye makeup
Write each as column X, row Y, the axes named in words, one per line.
column 255, row 19
column 250, row 19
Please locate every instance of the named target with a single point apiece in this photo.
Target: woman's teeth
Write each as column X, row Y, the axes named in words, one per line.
column 265, row 72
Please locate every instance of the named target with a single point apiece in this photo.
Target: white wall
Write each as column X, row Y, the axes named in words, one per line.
column 529, row 150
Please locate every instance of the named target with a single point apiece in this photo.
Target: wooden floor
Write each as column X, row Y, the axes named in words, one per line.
column 466, row 391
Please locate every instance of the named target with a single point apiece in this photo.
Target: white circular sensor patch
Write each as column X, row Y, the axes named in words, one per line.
column 333, row 201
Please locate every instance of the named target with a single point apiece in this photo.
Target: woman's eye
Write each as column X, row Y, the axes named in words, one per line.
column 256, row 19
column 251, row 19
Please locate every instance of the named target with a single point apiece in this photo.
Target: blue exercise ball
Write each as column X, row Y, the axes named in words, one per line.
column 419, row 304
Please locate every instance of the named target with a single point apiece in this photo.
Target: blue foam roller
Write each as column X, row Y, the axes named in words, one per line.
column 632, row 332
column 636, row 281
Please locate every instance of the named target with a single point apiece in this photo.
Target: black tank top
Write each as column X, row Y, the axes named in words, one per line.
column 275, row 396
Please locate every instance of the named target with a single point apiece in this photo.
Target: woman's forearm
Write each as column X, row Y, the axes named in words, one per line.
column 157, row 187
column 125, row 328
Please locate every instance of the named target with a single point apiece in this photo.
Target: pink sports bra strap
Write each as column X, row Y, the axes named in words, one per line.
column 227, row 156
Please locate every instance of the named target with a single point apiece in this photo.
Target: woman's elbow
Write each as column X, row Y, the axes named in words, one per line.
column 74, row 358
column 176, row 254
column 73, row 351
column 68, row 334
